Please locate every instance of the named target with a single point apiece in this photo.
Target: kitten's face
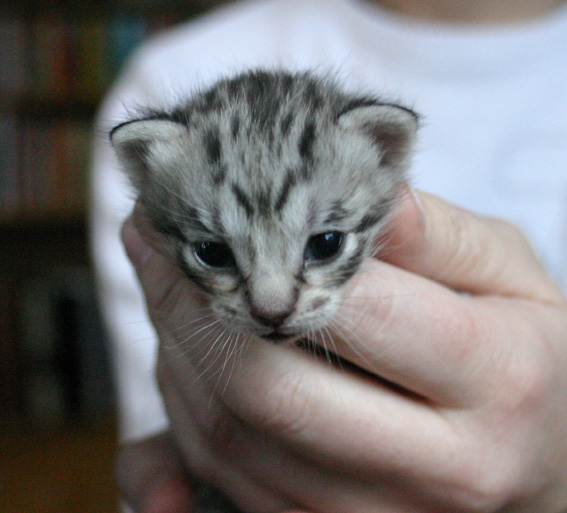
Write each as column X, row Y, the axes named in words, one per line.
column 271, row 221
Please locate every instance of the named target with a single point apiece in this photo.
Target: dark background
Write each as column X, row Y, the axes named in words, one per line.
column 57, row 410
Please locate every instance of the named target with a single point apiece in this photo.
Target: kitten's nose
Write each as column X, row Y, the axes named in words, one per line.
column 272, row 319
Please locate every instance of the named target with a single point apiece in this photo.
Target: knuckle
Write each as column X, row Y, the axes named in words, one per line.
column 288, row 410
column 527, row 383
column 222, row 434
column 511, row 232
column 528, row 374
column 485, row 485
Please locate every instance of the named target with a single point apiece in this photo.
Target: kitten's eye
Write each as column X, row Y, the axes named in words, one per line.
column 214, row 254
column 324, row 246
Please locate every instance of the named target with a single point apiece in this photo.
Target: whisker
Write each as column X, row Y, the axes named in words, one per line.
column 347, row 332
column 190, row 347
column 335, row 351
column 191, row 322
column 233, row 353
column 212, row 347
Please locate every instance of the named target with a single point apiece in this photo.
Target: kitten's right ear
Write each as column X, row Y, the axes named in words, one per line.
column 138, row 145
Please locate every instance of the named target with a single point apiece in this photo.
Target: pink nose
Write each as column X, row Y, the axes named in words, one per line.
column 271, row 319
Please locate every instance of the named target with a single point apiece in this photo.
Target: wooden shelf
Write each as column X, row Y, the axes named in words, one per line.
column 38, row 221
column 65, row 469
column 45, row 106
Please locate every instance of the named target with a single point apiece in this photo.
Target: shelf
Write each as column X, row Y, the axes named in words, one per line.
column 44, row 221
column 41, row 106
column 65, row 469
column 172, row 9
column 56, row 60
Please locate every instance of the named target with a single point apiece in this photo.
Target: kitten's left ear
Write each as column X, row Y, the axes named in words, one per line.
column 138, row 144
column 392, row 128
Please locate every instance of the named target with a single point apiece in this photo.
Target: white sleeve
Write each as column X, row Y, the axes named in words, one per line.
column 132, row 338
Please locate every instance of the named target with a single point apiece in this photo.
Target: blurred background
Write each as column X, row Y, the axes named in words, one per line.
column 57, row 415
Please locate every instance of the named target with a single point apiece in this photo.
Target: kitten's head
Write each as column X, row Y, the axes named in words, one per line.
column 272, row 189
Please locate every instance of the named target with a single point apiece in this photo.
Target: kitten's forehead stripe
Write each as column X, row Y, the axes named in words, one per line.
column 307, row 141
column 305, row 171
column 219, row 175
column 218, row 227
column 192, row 218
column 213, row 146
column 210, row 102
column 233, row 89
column 289, row 182
column 287, row 83
column 170, row 229
column 286, row 122
column 337, row 213
column 260, row 97
column 235, row 126
column 243, row 200
column 264, row 204
column 312, row 96
column 370, row 219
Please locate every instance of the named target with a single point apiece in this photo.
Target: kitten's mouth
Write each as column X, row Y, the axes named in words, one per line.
column 279, row 337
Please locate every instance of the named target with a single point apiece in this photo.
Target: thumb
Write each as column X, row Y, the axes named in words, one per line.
column 169, row 294
column 170, row 496
column 152, row 478
column 465, row 251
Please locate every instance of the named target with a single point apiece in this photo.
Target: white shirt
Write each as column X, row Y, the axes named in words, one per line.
column 493, row 102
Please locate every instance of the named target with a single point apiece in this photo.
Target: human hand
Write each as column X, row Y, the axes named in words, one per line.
column 152, row 476
column 463, row 405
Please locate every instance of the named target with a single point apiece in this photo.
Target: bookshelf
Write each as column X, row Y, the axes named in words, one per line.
column 56, row 60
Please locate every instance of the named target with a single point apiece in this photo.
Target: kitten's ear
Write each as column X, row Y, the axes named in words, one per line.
column 138, row 145
column 392, row 128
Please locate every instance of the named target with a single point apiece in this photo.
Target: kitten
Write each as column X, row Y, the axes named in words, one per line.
column 272, row 188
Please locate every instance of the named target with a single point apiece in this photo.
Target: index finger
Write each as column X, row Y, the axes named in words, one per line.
column 466, row 251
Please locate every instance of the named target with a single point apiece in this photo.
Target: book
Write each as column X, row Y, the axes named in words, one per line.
column 12, row 56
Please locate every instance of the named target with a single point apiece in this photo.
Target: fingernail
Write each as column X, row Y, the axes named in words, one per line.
column 137, row 250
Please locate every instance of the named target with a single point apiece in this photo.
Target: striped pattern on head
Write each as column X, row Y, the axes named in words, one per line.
column 272, row 187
